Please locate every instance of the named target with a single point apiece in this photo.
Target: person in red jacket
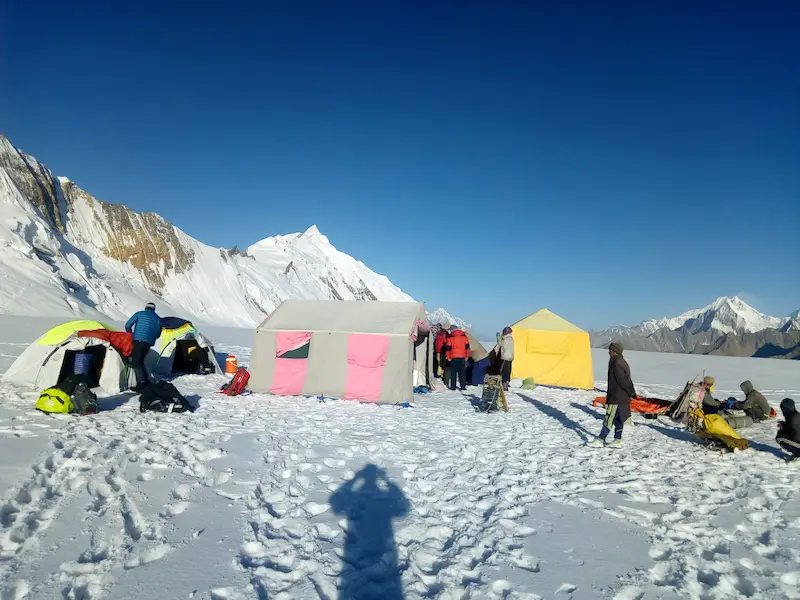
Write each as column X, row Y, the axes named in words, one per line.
column 457, row 352
column 439, row 343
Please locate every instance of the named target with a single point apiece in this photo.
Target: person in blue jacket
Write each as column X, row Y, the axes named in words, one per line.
column 146, row 328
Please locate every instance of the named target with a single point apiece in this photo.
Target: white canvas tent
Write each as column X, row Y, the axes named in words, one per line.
column 370, row 351
column 50, row 358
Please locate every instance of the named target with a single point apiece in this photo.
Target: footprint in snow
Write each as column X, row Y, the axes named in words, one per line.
column 791, row 579
column 629, row 593
column 314, row 509
column 567, row 588
column 181, row 492
column 175, row 509
column 150, row 555
column 325, row 533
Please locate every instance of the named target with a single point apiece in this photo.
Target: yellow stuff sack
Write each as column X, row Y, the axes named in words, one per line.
column 717, row 427
column 54, row 400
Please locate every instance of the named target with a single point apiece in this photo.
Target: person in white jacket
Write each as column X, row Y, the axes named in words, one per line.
column 505, row 351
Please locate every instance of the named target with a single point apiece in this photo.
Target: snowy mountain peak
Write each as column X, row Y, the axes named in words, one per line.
column 64, row 252
column 440, row 315
column 734, row 315
column 727, row 326
column 725, row 314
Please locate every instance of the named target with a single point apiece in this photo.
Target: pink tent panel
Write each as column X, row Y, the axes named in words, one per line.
column 290, row 373
column 289, row 376
column 366, row 358
column 290, row 340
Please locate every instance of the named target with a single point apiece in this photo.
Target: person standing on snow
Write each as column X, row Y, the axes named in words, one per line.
column 505, row 351
column 618, row 397
column 439, row 344
column 457, row 352
column 146, row 328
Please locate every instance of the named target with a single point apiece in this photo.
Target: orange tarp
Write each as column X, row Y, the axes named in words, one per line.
column 652, row 406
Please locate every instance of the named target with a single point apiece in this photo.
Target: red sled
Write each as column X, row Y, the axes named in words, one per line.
column 237, row 385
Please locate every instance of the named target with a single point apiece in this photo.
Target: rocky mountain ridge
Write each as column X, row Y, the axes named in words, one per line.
column 64, row 252
column 727, row 326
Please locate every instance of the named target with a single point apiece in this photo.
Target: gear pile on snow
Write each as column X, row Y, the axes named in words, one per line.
column 162, row 396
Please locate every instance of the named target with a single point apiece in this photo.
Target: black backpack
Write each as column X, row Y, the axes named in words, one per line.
column 162, row 396
column 83, row 399
column 204, row 366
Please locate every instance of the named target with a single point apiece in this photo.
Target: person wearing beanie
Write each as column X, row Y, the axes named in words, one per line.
column 146, row 328
column 789, row 429
column 618, row 397
column 710, row 404
column 505, row 352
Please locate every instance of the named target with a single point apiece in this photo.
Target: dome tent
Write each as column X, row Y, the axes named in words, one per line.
column 179, row 349
column 51, row 358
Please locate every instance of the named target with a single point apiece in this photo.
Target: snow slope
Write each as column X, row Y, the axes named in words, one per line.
column 65, row 253
column 270, row 497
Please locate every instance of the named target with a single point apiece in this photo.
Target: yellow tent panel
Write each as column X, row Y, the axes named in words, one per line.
column 553, row 351
column 61, row 332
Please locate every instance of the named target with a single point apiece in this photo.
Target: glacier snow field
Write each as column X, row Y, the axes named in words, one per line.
column 269, row 497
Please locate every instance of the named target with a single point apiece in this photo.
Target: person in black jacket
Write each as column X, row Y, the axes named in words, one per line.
column 789, row 429
column 618, row 397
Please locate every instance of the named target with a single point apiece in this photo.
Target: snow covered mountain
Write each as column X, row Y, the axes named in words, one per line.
column 727, row 326
column 63, row 252
column 440, row 315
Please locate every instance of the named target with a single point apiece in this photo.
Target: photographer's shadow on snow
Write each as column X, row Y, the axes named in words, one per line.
column 370, row 501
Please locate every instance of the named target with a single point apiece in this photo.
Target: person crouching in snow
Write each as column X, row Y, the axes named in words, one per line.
column 789, row 429
column 146, row 328
column 457, row 351
column 505, row 351
column 755, row 404
column 618, row 397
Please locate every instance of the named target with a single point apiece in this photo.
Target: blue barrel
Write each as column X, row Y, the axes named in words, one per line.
column 83, row 363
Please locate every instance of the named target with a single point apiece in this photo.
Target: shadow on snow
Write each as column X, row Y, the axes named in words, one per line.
column 560, row 416
column 370, row 501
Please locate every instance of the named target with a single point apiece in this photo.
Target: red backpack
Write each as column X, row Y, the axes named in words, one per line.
column 236, row 385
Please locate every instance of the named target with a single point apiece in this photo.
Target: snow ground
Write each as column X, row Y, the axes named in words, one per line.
column 269, row 497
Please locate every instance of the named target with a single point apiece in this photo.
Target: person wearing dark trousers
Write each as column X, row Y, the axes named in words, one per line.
column 439, row 344
column 618, row 397
column 457, row 352
column 146, row 328
column 789, row 429
column 505, row 350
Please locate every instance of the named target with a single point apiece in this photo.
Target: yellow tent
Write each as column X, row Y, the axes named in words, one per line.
column 553, row 351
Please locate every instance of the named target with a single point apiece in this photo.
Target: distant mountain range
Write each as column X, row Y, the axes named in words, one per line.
column 727, row 327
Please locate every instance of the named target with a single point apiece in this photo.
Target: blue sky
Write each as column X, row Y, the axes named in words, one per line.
column 611, row 161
